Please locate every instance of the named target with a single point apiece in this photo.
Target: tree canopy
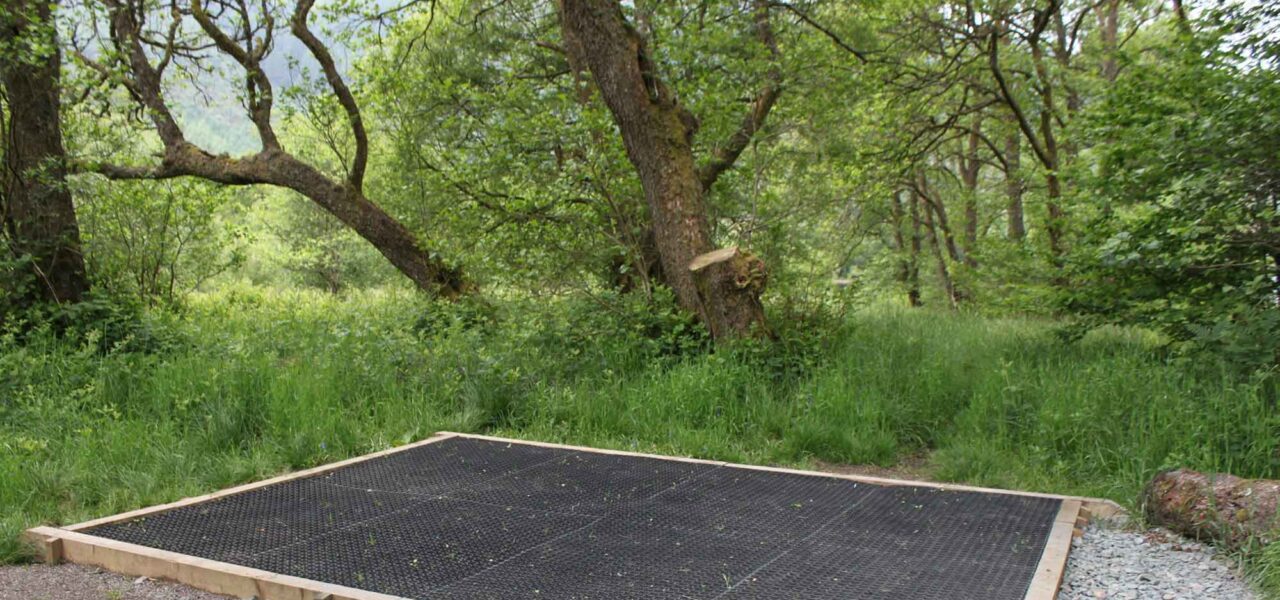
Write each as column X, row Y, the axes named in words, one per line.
column 1108, row 162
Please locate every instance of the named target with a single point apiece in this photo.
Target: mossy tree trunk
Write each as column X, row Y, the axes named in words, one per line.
column 37, row 210
column 657, row 132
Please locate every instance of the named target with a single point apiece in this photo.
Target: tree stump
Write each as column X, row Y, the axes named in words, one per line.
column 1214, row 507
column 730, row 282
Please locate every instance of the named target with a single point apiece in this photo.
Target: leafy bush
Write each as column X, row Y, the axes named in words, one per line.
column 1186, row 237
column 157, row 241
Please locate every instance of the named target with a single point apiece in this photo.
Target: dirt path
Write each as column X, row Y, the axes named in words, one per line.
column 74, row 582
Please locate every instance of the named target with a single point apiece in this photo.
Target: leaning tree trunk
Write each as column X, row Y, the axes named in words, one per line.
column 143, row 72
column 39, row 217
column 390, row 237
column 657, row 132
column 944, row 273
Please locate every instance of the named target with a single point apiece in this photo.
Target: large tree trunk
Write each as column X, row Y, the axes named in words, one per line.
column 37, row 210
column 392, row 239
column 657, row 133
column 637, row 265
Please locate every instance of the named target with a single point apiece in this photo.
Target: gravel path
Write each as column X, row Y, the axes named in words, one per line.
column 1107, row 563
column 74, row 582
column 1112, row 563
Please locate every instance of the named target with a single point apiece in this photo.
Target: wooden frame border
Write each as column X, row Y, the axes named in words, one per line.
column 1053, row 562
column 208, row 575
column 68, row 543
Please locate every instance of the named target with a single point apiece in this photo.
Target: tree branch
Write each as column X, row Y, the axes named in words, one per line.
column 340, row 89
column 725, row 155
column 825, row 31
column 993, row 52
column 258, row 86
column 146, row 79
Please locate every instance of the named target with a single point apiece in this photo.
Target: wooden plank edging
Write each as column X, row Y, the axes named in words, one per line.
column 208, row 575
column 1053, row 562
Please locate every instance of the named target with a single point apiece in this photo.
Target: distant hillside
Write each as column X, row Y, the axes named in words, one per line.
column 215, row 118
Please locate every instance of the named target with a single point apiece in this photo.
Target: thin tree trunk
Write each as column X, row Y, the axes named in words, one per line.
column 902, row 273
column 1109, row 32
column 944, row 273
column 917, row 236
column 934, row 205
column 1053, row 185
column 1043, row 143
column 969, row 173
column 38, row 213
column 1180, row 12
column 1017, row 229
column 657, row 133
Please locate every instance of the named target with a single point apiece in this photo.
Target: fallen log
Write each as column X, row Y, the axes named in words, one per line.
column 1214, row 507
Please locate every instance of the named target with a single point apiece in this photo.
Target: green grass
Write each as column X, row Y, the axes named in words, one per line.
column 246, row 384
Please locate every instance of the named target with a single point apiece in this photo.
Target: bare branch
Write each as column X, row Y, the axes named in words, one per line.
column 340, row 89
column 258, row 86
column 824, row 30
column 146, row 79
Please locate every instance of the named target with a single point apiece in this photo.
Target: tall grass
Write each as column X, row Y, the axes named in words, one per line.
column 245, row 384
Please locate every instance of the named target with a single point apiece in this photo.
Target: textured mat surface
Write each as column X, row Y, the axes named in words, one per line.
column 469, row 519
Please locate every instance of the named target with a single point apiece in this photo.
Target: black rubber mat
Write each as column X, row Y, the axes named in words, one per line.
column 469, row 519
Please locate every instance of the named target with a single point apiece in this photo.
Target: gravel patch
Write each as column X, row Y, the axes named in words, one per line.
column 74, row 582
column 1113, row 563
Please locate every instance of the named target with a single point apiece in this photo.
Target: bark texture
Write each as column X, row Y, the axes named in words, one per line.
column 1214, row 506
column 37, row 210
column 657, row 132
